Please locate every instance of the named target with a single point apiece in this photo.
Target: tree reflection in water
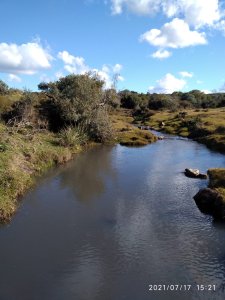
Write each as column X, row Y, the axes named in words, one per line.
column 87, row 176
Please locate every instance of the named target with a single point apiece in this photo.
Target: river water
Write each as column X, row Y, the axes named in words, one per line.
column 113, row 222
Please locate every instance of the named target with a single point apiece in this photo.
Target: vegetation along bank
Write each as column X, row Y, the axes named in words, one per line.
column 41, row 129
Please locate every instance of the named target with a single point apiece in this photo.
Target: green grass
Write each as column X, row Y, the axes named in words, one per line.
column 135, row 137
column 25, row 156
column 205, row 126
column 126, row 133
column 217, row 180
column 27, row 153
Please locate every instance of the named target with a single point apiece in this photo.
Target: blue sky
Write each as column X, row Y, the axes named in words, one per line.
column 148, row 45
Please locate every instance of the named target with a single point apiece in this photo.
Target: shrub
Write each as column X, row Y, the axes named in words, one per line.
column 79, row 100
column 100, row 129
column 23, row 110
column 72, row 136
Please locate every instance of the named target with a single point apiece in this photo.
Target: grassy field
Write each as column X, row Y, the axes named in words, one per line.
column 126, row 133
column 205, row 126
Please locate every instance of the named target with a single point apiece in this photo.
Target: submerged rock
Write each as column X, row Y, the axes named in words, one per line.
column 211, row 202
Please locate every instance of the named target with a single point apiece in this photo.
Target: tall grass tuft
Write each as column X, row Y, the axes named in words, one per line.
column 72, row 136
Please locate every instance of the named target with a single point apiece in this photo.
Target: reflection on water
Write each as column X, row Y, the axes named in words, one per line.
column 112, row 222
column 91, row 169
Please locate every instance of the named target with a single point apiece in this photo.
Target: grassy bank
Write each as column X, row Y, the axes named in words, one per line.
column 126, row 133
column 217, row 180
column 205, row 126
column 24, row 155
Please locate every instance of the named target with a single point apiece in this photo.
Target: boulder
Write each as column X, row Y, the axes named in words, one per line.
column 211, row 202
column 202, row 176
column 194, row 173
column 160, row 137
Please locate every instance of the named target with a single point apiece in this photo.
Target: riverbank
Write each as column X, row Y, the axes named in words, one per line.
column 26, row 153
column 126, row 134
column 207, row 126
column 217, row 180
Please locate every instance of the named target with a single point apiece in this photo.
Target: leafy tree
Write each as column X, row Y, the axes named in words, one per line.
column 79, row 100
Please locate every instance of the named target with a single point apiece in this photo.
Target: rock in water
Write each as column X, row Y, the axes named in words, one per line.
column 210, row 202
column 202, row 176
column 194, row 173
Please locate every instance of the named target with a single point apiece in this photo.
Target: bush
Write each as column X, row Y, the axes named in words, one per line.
column 23, row 110
column 161, row 101
column 79, row 100
column 72, row 136
column 100, row 129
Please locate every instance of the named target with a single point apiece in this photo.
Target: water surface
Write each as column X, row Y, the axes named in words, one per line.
column 113, row 222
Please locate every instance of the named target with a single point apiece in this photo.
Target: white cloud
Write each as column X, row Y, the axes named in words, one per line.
column 175, row 34
column 23, row 59
column 120, row 78
column 77, row 65
column 186, row 74
column 161, row 54
column 220, row 26
column 197, row 13
column 13, row 77
column 206, row 91
column 141, row 7
column 73, row 64
column 168, row 84
column 109, row 74
column 117, row 68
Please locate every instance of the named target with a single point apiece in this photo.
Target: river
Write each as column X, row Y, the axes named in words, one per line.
column 114, row 222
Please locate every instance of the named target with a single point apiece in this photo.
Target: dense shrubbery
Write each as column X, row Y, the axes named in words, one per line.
column 73, row 101
column 7, row 96
column 133, row 100
column 81, row 101
column 174, row 101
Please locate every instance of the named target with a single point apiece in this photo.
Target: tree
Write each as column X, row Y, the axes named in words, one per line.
column 79, row 100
